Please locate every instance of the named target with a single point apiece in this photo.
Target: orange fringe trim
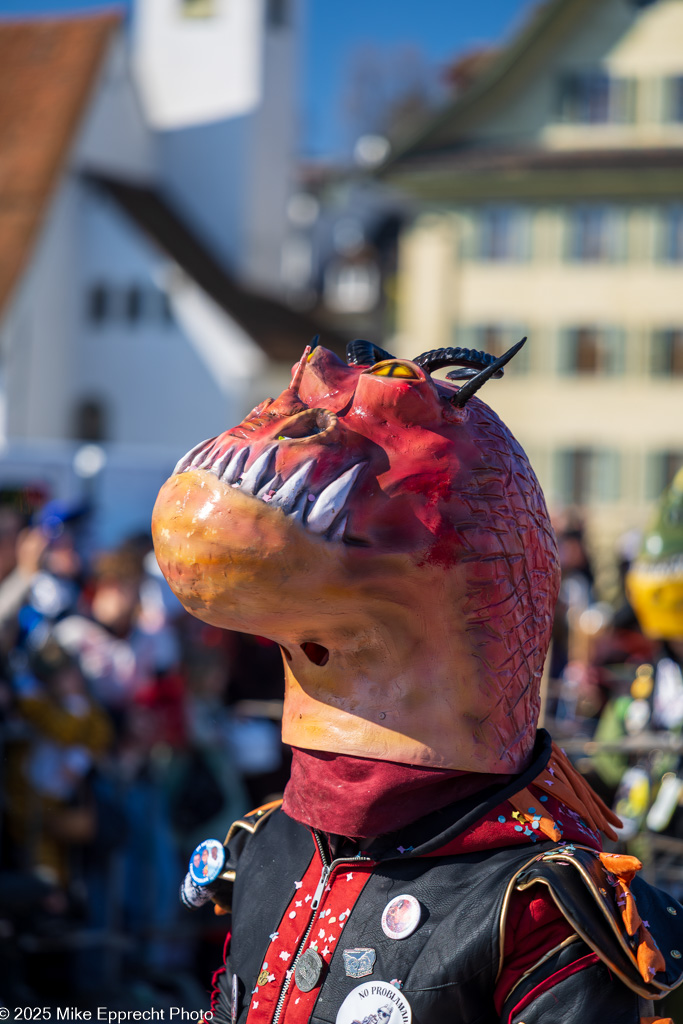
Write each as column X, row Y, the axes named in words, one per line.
column 650, row 960
column 656, row 1020
column 522, row 801
column 562, row 781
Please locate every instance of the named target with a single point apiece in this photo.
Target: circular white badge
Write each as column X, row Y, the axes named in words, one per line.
column 401, row 917
column 377, row 1002
column 206, row 863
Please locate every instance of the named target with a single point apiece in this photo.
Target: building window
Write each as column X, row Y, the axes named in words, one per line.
column 198, row 8
column 672, row 234
column 503, row 234
column 134, row 304
column 584, row 476
column 277, row 13
column 673, row 91
column 661, row 469
column 667, row 353
column 90, row 420
column 596, row 234
column 98, row 302
column 592, row 97
column 592, row 351
column 496, row 339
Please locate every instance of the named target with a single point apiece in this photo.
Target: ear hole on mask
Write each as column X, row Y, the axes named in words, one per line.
column 316, row 653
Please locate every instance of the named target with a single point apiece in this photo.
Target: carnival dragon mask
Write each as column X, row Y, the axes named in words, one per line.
column 388, row 532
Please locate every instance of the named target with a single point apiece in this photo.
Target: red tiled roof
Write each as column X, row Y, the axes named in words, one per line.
column 47, row 71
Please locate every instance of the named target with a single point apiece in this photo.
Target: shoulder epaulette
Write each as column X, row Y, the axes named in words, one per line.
column 635, row 929
column 252, row 821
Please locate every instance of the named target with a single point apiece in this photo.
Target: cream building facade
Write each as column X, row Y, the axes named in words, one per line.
column 552, row 206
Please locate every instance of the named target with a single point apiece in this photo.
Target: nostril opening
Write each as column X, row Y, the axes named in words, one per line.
column 316, row 653
column 306, row 424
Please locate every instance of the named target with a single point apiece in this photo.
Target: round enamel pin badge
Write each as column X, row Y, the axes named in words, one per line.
column 401, row 917
column 376, row 1002
column 206, row 863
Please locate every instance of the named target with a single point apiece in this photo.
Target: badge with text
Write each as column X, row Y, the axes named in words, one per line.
column 375, row 1002
column 359, row 962
column 401, row 917
column 206, row 863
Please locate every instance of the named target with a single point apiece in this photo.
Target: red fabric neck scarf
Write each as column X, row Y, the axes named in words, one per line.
column 359, row 797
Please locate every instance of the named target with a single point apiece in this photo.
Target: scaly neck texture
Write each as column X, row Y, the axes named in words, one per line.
column 359, row 797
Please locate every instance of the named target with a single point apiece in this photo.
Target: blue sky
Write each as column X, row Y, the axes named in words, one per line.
column 440, row 28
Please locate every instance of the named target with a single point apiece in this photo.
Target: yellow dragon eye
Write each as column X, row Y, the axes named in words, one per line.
column 395, row 370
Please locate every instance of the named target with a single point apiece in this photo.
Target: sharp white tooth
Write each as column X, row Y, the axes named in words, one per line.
column 331, row 500
column 259, row 471
column 300, row 508
column 234, row 468
column 193, row 454
column 202, row 459
column 220, row 465
column 286, row 497
column 272, row 485
column 207, row 461
column 337, row 534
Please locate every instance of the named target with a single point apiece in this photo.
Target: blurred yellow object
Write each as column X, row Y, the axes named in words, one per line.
column 643, row 684
column 654, row 583
column 657, row 600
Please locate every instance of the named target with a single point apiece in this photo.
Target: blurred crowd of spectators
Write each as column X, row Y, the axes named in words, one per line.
column 129, row 732
column 615, row 696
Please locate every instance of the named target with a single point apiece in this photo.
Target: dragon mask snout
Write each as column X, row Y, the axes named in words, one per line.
column 366, row 515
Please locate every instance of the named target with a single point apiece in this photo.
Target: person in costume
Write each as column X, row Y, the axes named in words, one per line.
column 387, row 531
column 654, row 585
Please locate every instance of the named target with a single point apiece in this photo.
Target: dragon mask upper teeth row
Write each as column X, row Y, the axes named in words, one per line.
column 320, row 513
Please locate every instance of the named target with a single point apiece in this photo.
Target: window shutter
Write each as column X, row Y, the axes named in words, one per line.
column 659, row 353
column 614, row 341
column 617, row 238
column 523, row 224
column 464, row 335
column 606, row 475
column 467, row 234
column 566, row 350
column 512, row 334
column 562, row 461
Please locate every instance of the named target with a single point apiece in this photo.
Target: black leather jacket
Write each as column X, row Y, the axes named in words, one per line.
column 447, row 968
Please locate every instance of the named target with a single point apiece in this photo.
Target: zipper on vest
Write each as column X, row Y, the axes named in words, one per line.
column 315, row 903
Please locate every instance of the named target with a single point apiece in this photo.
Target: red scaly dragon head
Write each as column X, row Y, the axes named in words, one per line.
column 388, row 532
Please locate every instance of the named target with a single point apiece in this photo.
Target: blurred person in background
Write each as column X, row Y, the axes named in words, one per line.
column 576, row 589
column 21, row 551
column 56, row 586
column 121, row 650
column 207, row 786
column 50, row 803
column 634, row 657
column 654, row 586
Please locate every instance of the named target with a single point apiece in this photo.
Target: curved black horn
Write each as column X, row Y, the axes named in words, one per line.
column 471, row 360
column 467, row 390
column 364, row 353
